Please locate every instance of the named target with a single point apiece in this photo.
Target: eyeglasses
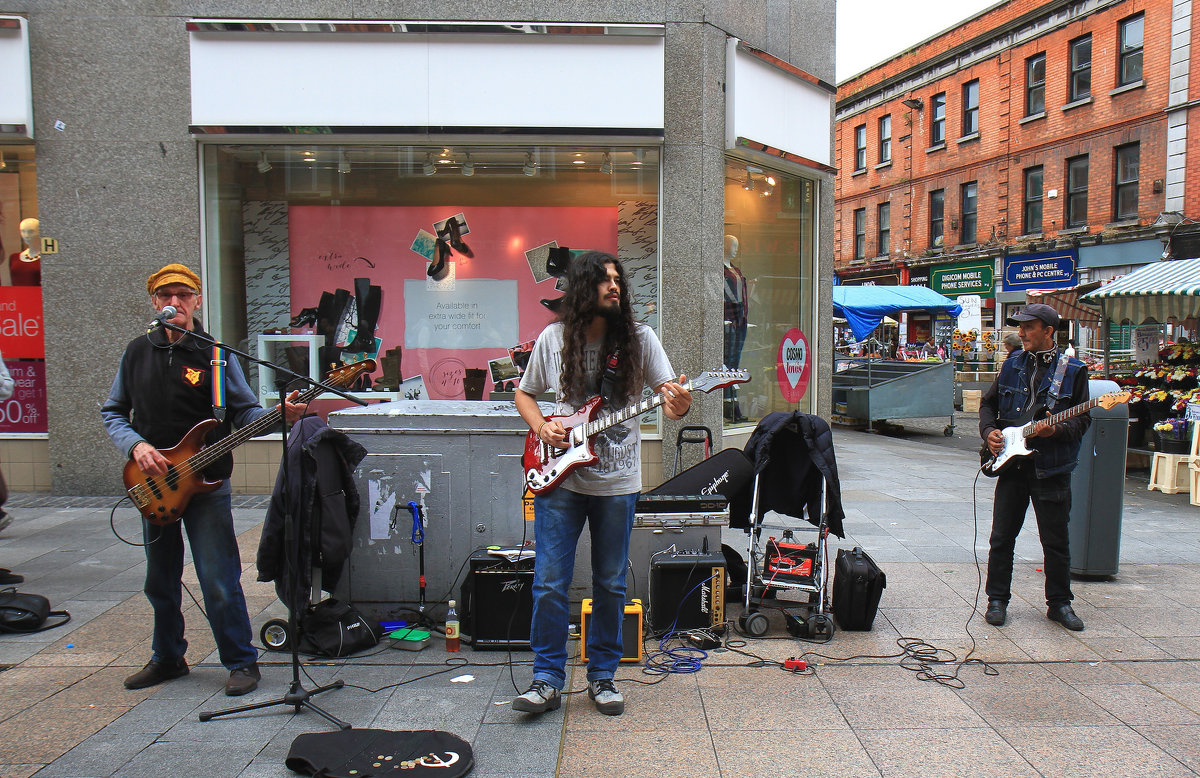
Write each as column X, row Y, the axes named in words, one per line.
column 183, row 296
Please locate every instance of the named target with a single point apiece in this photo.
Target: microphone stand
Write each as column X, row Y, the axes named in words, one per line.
column 297, row 696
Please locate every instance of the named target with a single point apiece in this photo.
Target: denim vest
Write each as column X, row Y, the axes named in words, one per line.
column 1052, row 455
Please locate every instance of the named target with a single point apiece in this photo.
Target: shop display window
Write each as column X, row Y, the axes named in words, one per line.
column 432, row 260
column 769, row 290
column 21, row 330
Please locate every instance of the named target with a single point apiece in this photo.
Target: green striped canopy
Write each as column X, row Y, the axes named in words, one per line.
column 1157, row 291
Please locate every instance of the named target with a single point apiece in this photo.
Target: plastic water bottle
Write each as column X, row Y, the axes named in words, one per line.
column 451, row 628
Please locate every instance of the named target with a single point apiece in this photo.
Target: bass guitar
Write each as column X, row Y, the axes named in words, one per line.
column 546, row 466
column 161, row 499
column 1029, row 425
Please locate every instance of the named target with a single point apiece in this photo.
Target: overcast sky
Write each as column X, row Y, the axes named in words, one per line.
column 871, row 31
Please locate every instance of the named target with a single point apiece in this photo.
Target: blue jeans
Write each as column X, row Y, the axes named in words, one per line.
column 559, row 517
column 208, row 520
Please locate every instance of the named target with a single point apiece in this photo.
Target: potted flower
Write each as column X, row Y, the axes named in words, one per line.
column 1172, row 436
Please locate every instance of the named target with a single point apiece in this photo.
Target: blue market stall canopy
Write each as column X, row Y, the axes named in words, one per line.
column 1157, row 291
column 865, row 306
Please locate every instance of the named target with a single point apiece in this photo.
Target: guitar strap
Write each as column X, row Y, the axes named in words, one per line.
column 218, row 383
column 1059, row 372
column 608, row 380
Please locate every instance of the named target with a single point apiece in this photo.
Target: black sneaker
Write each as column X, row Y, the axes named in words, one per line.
column 156, row 672
column 608, row 700
column 540, row 698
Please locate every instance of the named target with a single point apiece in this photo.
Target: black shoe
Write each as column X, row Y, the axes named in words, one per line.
column 243, row 680
column 997, row 613
column 156, row 672
column 437, row 269
column 1064, row 615
column 9, row 577
column 307, row 316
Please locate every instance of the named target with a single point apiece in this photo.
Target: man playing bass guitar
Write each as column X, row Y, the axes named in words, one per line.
column 164, row 387
column 1038, row 376
column 595, row 348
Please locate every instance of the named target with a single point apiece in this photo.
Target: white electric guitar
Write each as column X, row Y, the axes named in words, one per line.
column 546, row 466
column 1029, row 425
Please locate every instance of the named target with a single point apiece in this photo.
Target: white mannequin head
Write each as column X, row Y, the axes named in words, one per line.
column 731, row 248
column 29, row 234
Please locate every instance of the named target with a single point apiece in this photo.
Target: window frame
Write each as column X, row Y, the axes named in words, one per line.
column 970, row 108
column 860, row 233
column 937, row 218
column 1127, row 56
column 885, row 139
column 1123, row 186
column 937, row 120
column 1078, row 69
column 1076, row 201
column 1034, row 191
column 968, row 217
column 1032, row 87
column 883, row 229
column 860, row 147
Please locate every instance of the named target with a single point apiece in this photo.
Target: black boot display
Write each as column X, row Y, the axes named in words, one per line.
column 369, row 299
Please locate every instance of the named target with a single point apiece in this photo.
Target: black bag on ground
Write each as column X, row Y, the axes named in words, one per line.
column 24, row 612
column 858, row 583
column 335, row 628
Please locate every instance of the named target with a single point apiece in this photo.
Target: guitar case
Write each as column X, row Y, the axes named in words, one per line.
column 727, row 473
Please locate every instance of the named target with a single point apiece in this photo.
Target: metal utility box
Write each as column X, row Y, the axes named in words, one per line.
column 462, row 460
column 1097, row 488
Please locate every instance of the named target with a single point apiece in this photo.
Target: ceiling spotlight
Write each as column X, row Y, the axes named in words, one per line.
column 428, row 168
column 343, row 164
column 771, row 180
column 3, row 164
column 264, row 164
column 530, row 167
column 310, row 156
column 749, row 184
column 606, row 164
column 639, row 157
column 468, row 167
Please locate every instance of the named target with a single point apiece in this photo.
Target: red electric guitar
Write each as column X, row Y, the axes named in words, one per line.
column 546, row 466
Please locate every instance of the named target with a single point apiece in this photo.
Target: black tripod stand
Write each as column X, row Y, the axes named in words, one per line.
column 297, row 696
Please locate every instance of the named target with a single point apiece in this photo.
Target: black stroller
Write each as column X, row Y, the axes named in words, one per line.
column 794, row 465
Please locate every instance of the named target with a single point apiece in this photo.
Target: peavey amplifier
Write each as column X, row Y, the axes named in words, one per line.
column 687, row 591
column 496, row 602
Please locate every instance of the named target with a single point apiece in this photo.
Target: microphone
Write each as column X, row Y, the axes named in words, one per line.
column 166, row 314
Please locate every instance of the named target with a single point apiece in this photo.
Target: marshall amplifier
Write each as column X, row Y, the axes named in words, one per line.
column 496, row 601
column 687, row 591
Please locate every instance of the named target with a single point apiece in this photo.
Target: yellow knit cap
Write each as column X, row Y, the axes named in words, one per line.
column 172, row 274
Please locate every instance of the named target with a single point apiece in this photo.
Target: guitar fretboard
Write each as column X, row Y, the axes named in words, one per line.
column 601, row 423
column 1031, row 427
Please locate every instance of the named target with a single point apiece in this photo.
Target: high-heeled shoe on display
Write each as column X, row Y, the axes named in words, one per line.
column 454, row 230
column 437, row 269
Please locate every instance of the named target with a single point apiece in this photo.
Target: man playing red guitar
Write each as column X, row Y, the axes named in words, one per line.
column 1039, row 374
column 162, row 389
column 595, row 348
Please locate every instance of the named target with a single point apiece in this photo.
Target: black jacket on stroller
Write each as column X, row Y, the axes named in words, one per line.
column 793, row 458
column 320, row 486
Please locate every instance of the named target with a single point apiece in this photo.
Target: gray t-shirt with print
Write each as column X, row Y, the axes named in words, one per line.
column 619, row 447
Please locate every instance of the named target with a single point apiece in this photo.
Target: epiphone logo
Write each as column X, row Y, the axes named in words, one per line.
column 712, row 488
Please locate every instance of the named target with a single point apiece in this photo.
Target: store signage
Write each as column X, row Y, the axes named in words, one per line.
column 25, row 411
column 21, row 329
column 1146, row 342
column 793, row 365
column 49, row 245
column 882, row 278
column 918, row 277
column 1053, row 270
column 966, row 278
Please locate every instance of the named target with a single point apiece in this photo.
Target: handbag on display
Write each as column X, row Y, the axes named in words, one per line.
column 24, row 612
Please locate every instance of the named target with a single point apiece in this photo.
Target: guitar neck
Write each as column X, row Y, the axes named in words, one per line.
column 601, row 423
column 209, row 454
column 1060, row 416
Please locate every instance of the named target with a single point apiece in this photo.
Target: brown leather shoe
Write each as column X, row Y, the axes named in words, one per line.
column 243, row 680
column 156, row 672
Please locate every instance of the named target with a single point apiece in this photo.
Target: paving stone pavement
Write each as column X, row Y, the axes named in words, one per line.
column 1121, row 696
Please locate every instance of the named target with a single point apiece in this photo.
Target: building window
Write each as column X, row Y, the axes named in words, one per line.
column 1081, row 69
column 21, row 316
column 1035, row 85
column 1077, row 188
column 1033, row 201
column 860, row 147
column 1129, row 65
column 937, row 217
column 1125, row 193
column 885, row 139
column 937, row 126
column 884, row 220
column 860, row 233
column 970, row 107
column 970, row 212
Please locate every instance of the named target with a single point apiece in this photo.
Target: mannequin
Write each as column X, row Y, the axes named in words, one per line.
column 737, row 309
column 26, row 266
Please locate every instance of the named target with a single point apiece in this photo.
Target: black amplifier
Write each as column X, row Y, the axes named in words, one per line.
column 687, row 591
column 496, row 602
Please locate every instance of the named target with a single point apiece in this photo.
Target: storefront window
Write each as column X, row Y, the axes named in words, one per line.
column 429, row 259
column 768, row 289
column 21, row 331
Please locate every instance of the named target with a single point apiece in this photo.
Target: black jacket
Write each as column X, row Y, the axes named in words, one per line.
column 793, row 457
column 319, row 492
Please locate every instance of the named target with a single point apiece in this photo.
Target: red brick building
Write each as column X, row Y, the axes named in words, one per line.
column 1035, row 145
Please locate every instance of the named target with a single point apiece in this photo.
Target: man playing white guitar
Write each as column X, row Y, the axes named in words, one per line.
column 1032, row 383
column 595, row 348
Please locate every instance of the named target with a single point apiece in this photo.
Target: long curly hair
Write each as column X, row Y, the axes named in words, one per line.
column 580, row 306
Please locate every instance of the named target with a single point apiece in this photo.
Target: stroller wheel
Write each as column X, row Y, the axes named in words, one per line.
column 275, row 635
column 754, row 624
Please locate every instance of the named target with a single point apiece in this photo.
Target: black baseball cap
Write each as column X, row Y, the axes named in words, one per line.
column 1039, row 311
